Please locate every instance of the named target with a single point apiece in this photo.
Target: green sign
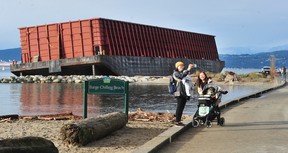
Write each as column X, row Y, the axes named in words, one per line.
column 106, row 85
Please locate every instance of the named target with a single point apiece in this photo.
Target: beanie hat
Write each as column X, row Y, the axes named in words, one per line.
column 178, row 64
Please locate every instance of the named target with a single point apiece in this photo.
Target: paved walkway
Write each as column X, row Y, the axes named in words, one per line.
column 257, row 125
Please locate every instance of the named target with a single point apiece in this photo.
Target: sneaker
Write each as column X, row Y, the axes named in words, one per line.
column 179, row 124
column 208, row 124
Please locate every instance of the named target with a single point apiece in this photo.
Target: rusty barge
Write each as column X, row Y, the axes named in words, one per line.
column 101, row 46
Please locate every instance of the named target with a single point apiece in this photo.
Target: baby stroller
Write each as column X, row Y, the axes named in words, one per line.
column 207, row 108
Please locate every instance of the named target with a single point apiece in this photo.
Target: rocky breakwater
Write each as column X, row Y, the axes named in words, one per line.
column 80, row 79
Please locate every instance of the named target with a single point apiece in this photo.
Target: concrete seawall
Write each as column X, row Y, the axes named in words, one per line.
column 172, row 133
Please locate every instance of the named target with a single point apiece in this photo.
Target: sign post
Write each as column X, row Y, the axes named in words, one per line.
column 106, row 85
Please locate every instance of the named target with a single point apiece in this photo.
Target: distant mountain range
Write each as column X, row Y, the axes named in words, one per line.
column 10, row 54
column 249, row 49
column 255, row 60
column 231, row 60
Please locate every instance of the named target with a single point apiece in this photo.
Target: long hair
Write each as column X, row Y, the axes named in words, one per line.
column 199, row 82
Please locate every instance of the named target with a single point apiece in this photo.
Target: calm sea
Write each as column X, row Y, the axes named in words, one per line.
column 35, row 99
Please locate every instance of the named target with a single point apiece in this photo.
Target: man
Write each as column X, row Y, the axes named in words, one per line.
column 283, row 73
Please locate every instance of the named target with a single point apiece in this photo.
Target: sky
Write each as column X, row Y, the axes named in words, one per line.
column 246, row 26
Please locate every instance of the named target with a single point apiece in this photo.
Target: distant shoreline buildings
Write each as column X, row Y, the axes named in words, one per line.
column 7, row 64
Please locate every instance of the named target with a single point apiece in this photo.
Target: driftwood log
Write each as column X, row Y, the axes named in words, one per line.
column 88, row 130
column 27, row 145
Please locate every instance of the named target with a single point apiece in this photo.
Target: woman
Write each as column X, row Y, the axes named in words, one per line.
column 178, row 74
column 203, row 82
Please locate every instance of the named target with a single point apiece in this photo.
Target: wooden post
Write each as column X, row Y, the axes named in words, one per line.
column 93, row 70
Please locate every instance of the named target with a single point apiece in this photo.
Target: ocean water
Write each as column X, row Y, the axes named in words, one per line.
column 5, row 72
column 35, row 99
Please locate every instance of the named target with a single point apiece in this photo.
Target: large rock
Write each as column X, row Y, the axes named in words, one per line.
column 230, row 76
column 27, row 145
column 88, row 130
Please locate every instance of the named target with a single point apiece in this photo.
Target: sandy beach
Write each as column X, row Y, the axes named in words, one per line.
column 125, row 140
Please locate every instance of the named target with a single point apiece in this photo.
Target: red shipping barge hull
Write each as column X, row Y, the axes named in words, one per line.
column 104, row 46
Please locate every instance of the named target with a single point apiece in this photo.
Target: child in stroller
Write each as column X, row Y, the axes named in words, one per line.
column 208, row 108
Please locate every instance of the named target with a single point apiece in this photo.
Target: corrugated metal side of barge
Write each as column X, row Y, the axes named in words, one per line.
column 111, row 37
column 53, row 43
column 65, row 40
column 40, row 42
column 130, row 39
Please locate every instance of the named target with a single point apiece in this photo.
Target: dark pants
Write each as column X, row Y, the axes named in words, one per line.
column 218, row 113
column 181, row 102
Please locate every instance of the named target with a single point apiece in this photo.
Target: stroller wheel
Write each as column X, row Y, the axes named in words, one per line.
column 195, row 123
column 208, row 124
column 222, row 121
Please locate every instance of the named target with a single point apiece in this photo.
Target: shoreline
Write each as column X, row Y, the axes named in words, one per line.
column 141, row 80
column 227, row 77
column 123, row 140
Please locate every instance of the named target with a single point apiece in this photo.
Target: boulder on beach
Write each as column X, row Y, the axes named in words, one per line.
column 27, row 144
column 230, row 76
